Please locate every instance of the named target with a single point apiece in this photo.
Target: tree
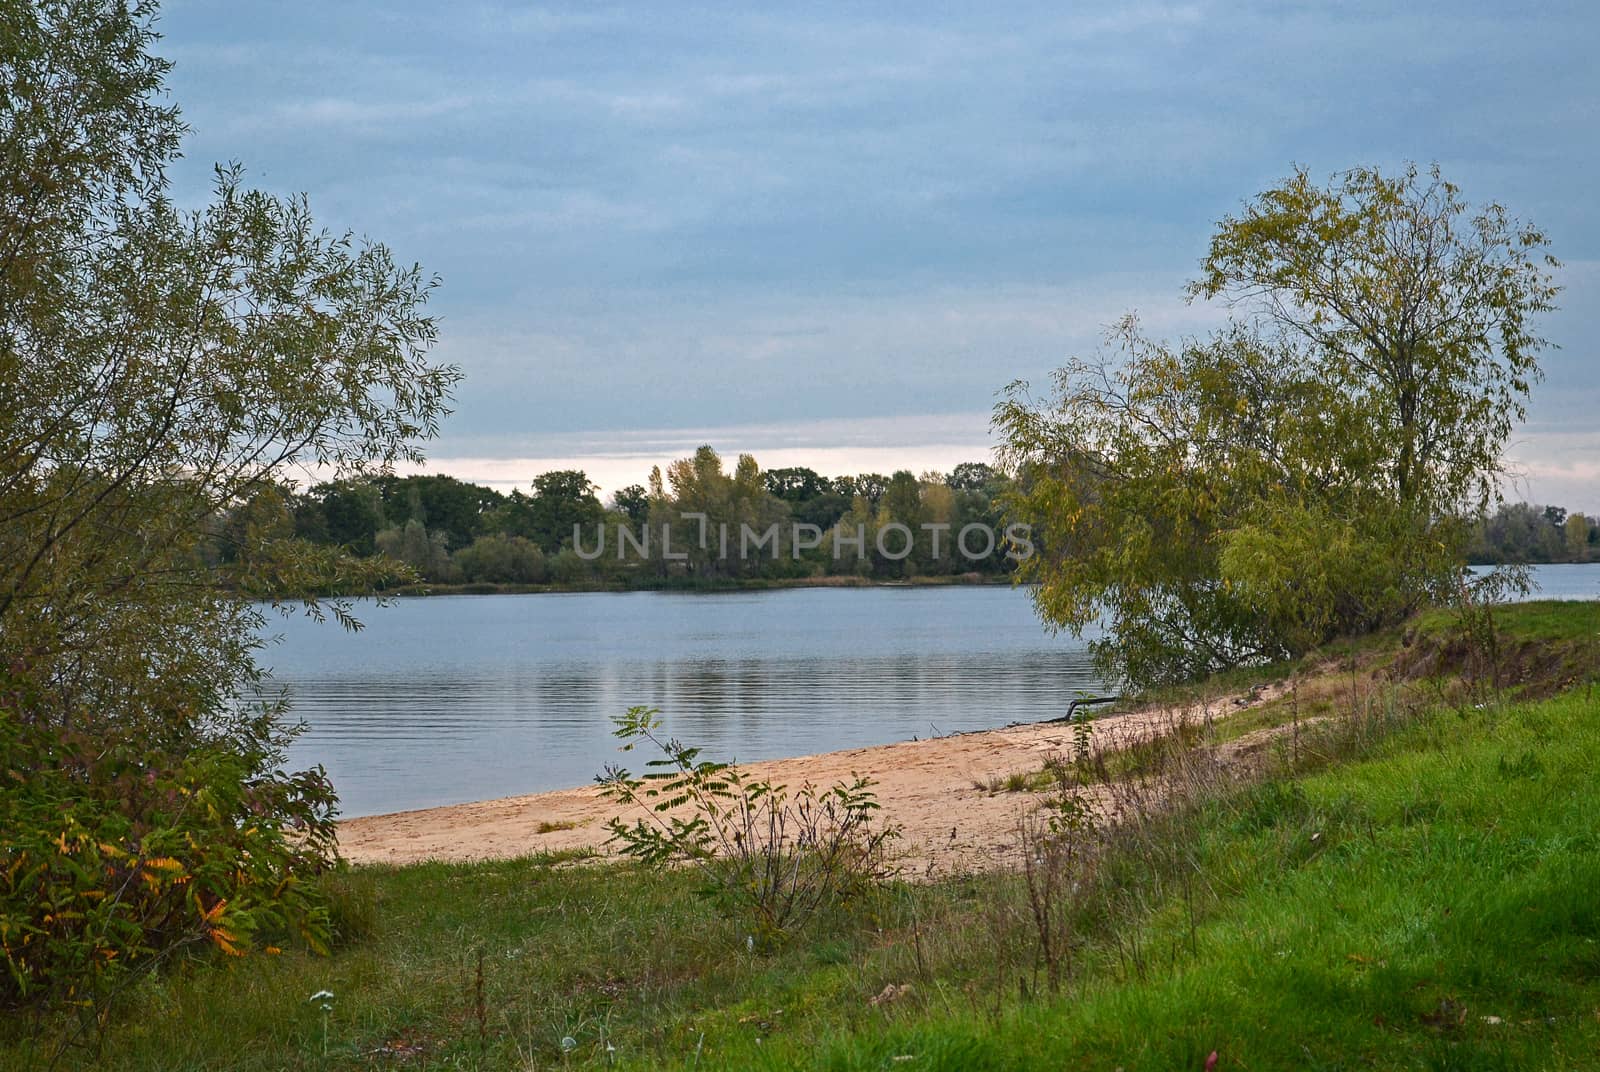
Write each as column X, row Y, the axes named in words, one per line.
column 426, row 553
column 1577, row 537
column 871, row 486
column 1301, row 472
column 972, row 476
column 561, row 500
column 1517, row 533
column 1418, row 309
column 160, row 369
column 901, row 504
column 707, row 509
column 902, row 498
column 796, row 484
column 633, row 501
column 263, row 519
column 453, row 508
column 936, row 546
column 349, row 513
column 822, row 511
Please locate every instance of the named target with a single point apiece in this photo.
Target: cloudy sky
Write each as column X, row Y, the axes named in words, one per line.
column 829, row 237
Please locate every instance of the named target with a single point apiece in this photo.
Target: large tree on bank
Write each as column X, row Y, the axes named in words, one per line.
column 158, row 368
column 1302, row 472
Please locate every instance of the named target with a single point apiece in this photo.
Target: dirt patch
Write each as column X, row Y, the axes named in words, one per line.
column 1527, row 669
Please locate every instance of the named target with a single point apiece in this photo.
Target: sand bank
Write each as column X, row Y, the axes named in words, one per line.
column 931, row 788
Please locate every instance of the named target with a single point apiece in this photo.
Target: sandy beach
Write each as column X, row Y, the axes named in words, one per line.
column 930, row 788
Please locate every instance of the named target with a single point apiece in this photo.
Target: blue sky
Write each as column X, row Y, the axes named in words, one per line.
column 829, row 235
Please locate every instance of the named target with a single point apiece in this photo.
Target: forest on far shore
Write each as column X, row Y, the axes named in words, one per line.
column 451, row 531
column 1529, row 533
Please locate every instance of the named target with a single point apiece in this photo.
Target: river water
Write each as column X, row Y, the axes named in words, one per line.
column 454, row 698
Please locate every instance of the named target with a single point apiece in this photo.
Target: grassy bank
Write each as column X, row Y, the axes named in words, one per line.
column 1407, row 881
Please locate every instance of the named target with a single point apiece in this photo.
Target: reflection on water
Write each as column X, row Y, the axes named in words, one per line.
column 463, row 698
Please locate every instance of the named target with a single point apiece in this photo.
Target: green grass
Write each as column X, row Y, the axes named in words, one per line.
column 1437, row 906
column 1539, row 620
column 1427, row 897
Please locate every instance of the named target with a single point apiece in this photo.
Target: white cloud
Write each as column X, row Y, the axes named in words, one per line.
column 1557, row 466
column 832, row 447
column 344, row 111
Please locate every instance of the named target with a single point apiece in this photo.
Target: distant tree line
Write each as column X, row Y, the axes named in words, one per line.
column 450, row 531
column 1527, row 533
column 697, row 522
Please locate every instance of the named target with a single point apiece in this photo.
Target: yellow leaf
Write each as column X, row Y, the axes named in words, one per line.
column 224, row 941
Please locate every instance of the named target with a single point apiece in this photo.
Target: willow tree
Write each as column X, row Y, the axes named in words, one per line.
column 159, row 367
column 1304, row 471
column 1418, row 308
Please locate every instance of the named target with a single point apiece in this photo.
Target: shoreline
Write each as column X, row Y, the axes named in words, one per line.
column 749, row 584
column 939, row 790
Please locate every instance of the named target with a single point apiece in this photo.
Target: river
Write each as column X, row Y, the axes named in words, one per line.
column 452, row 698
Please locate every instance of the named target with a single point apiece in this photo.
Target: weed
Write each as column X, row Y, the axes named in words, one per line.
column 782, row 854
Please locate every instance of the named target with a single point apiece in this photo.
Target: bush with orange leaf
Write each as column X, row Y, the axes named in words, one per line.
column 114, row 859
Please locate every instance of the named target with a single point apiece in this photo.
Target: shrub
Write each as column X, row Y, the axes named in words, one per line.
column 567, row 567
column 778, row 853
column 498, row 558
column 115, row 859
column 1056, row 843
column 423, row 551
